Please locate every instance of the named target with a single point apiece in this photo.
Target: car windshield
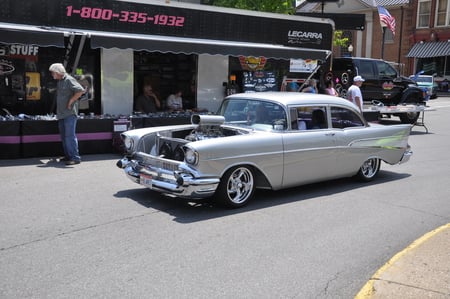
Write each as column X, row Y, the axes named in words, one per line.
column 422, row 79
column 255, row 113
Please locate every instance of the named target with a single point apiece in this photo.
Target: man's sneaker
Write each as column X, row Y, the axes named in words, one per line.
column 72, row 162
column 64, row 159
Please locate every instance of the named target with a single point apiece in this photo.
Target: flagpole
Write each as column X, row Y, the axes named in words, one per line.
column 382, row 44
column 400, row 40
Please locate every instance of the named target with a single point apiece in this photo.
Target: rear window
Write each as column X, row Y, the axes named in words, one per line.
column 343, row 118
column 342, row 65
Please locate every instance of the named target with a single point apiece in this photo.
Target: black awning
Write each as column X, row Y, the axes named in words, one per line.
column 430, row 49
column 170, row 44
column 31, row 35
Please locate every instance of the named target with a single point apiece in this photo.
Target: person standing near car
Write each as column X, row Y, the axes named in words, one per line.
column 354, row 94
column 68, row 91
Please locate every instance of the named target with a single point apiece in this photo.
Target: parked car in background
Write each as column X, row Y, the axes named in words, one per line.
column 427, row 82
column 268, row 140
column 382, row 83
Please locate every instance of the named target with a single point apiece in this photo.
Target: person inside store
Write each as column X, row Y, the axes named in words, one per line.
column 68, row 91
column 354, row 94
column 329, row 88
column 148, row 101
column 174, row 101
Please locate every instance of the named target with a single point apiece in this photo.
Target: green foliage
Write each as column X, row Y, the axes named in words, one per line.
column 339, row 40
column 276, row 6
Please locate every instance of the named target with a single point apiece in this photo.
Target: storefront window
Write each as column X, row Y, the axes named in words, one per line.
column 258, row 74
column 26, row 86
column 167, row 73
column 443, row 13
column 423, row 15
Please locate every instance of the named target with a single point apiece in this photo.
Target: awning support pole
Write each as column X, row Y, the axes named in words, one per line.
column 80, row 50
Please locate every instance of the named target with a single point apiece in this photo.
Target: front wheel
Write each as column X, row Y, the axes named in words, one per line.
column 236, row 187
column 369, row 170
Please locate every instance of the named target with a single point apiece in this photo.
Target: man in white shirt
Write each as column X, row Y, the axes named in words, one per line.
column 354, row 92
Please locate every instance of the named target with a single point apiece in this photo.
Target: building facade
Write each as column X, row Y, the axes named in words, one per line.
column 422, row 35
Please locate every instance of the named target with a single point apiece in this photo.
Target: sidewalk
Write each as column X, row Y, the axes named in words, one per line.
column 422, row 270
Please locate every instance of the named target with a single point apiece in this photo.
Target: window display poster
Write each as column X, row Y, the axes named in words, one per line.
column 302, row 66
column 33, row 86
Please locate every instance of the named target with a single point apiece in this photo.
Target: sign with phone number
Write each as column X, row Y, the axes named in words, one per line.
column 105, row 14
column 167, row 19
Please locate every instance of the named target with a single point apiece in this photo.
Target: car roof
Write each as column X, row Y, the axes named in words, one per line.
column 358, row 58
column 294, row 98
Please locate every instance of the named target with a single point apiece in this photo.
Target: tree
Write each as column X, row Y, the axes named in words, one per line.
column 276, row 6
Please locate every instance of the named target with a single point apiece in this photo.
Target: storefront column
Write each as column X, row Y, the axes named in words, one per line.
column 117, row 67
column 212, row 72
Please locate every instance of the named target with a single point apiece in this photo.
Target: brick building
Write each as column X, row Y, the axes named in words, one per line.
column 421, row 40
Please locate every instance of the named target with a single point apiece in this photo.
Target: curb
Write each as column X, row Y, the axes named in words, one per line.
column 368, row 290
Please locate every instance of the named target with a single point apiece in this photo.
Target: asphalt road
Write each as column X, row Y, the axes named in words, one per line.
column 85, row 231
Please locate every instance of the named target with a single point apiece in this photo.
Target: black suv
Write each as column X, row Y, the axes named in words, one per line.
column 382, row 83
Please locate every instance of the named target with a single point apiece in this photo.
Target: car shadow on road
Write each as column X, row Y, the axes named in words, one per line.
column 188, row 212
column 54, row 161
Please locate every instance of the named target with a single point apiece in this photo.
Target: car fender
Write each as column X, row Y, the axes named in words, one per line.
column 262, row 151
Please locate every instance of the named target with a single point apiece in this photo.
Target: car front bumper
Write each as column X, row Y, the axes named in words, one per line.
column 170, row 182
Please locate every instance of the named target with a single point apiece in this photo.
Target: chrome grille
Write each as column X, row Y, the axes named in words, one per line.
column 160, row 163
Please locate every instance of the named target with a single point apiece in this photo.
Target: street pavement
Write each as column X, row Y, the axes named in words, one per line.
column 422, row 270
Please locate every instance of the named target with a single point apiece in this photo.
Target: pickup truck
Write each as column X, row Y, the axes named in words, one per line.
column 383, row 84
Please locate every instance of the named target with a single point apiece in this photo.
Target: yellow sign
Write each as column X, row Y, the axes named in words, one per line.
column 33, row 86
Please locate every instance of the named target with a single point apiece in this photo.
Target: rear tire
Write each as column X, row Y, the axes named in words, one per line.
column 236, row 187
column 409, row 117
column 369, row 170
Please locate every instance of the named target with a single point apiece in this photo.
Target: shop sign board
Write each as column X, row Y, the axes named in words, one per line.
column 302, row 65
column 173, row 19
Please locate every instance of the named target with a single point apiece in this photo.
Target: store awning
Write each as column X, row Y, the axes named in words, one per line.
column 430, row 49
column 31, row 35
column 171, row 44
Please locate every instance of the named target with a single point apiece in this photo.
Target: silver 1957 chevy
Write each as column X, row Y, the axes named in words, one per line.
column 270, row 140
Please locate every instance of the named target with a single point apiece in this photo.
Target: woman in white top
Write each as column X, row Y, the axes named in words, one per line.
column 175, row 101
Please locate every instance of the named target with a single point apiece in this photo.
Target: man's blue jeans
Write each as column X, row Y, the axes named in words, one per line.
column 67, row 127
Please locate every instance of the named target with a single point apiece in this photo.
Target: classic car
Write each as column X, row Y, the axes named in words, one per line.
column 427, row 82
column 269, row 140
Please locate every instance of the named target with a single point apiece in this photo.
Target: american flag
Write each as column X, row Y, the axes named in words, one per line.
column 386, row 20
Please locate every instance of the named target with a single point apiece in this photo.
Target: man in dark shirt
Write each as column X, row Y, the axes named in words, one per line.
column 147, row 102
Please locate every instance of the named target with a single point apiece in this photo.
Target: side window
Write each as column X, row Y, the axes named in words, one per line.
column 312, row 118
column 343, row 118
column 386, row 70
column 366, row 69
column 267, row 113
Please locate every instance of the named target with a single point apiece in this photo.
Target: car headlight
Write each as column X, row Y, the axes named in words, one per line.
column 190, row 156
column 128, row 142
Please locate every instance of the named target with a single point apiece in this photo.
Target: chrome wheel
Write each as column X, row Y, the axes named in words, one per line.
column 369, row 169
column 237, row 187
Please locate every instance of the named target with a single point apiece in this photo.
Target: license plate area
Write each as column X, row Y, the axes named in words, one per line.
column 146, row 180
